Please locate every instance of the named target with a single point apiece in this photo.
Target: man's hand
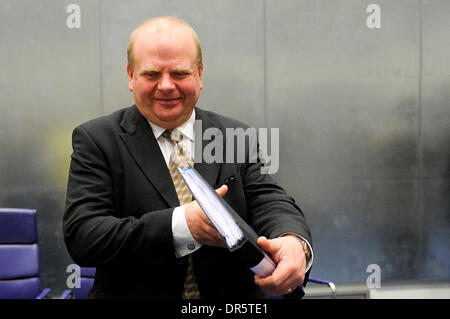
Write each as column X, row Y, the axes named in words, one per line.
column 202, row 229
column 287, row 252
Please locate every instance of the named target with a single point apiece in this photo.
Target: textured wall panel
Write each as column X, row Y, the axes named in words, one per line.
column 49, row 82
column 436, row 139
column 346, row 100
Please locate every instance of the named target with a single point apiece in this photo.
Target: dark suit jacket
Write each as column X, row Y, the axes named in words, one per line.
column 120, row 199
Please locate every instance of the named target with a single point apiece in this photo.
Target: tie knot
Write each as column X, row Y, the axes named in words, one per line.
column 173, row 135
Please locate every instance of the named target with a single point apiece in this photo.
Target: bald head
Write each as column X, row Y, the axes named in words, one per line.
column 162, row 25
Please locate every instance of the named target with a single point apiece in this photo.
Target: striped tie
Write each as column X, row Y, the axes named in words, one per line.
column 181, row 155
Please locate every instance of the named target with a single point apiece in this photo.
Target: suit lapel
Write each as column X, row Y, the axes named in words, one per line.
column 144, row 148
column 209, row 171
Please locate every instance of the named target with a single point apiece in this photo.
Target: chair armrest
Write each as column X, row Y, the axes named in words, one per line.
column 45, row 294
column 325, row 282
column 67, row 294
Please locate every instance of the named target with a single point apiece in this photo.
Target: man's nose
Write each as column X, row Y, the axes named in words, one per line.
column 166, row 83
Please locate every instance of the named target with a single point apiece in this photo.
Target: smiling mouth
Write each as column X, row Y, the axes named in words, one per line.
column 168, row 100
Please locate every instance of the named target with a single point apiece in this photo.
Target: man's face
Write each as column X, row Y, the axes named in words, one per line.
column 165, row 79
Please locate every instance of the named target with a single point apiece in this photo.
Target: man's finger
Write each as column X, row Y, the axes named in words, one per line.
column 269, row 246
column 222, row 190
column 213, row 238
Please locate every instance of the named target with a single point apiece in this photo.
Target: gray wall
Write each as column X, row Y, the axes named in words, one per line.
column 363, row 114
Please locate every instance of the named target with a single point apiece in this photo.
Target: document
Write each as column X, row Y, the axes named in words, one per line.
column 239, row 236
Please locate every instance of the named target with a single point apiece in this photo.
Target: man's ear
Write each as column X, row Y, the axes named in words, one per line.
column 200, row 75
column 130, row 78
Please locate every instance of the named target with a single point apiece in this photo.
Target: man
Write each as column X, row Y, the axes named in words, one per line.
column 123, row 214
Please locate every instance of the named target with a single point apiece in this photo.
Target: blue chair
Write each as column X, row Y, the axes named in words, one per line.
column 87, row 280
column 87, row 275
column 19, row 255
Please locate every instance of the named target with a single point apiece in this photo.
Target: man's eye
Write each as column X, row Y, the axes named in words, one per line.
column 151, row 74
column 181, row 74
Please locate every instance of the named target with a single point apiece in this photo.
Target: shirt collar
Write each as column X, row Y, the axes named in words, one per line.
column 187, row 128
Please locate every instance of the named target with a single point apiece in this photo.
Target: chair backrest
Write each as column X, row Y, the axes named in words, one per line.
column 19, row 254
column 86, row 281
